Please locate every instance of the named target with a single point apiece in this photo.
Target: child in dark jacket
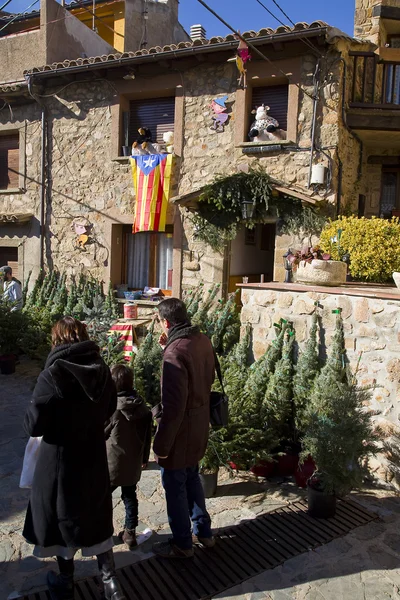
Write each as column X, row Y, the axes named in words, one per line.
column 128, row 439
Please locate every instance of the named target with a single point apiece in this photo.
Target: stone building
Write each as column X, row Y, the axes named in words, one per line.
column 69, row 172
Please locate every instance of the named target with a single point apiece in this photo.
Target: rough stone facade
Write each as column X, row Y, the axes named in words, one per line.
column 368, row 25
column 372, row 339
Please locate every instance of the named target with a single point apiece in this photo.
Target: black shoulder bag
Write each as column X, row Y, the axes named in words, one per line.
column 219, row 403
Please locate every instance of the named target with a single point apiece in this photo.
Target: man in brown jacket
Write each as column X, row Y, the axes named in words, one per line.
column 182, row 435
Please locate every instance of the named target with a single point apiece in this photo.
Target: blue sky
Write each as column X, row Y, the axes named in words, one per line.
column 248, row 14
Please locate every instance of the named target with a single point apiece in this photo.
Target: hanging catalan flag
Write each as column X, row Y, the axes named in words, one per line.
column 152, row 181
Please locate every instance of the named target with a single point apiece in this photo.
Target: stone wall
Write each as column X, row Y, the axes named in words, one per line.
column 366, row 25
column 372, row 337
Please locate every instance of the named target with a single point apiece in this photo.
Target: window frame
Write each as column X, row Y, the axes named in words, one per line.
column 395, row 170
column 6, row 132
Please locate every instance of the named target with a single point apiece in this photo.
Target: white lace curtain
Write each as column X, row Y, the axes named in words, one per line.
column 139, row 260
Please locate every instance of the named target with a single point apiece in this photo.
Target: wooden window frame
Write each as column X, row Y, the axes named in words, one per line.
column 9, row 161
column 262, row 74
column 391, row 170
column 5, row 130
column 157, row 128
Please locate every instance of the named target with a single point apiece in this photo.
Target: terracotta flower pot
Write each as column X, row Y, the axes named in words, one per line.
column 304, row 472
column 264, row 469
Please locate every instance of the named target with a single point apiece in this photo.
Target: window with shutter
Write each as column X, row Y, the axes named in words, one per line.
column 276, row 97
column 9, row 258
column 9, row 161
column 157, row 114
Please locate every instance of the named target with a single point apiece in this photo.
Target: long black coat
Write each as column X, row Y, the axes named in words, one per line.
column 70, row 502
column 128, row 435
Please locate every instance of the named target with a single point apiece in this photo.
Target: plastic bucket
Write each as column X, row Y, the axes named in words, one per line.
column 209, row 482
column 320, row 505
column 130, row 311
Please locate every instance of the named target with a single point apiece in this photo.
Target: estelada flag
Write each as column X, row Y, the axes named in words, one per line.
column 152, row 181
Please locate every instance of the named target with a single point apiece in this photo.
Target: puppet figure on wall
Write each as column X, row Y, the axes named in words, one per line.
column 219, row 117
column 81, row 228
column 242, row 57
column 265, row 128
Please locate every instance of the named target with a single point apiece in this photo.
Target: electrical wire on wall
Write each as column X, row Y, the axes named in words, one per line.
column 145, row 15
column 21, row 14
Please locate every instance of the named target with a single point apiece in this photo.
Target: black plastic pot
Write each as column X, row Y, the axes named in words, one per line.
column 209, row 481
column 320, row 505
column 7, row 364
column 126, row 151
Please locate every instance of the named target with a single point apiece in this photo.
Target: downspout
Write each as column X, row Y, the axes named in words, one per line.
column 42, row 173
column 314, row 119
column 43, row 188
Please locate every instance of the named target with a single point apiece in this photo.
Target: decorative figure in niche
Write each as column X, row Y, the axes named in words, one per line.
column 168, row 138
column 265, row 128
column 143, row 143
column 219, row 117
column 82, row 229
column 242, row 57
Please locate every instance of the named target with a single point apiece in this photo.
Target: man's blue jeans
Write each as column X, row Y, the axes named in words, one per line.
column 185, row 502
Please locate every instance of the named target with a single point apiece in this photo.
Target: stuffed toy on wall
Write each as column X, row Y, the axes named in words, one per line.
column 168, row 138
column 265, row 128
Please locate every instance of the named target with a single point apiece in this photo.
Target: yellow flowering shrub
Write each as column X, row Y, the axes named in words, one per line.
column 372, row 244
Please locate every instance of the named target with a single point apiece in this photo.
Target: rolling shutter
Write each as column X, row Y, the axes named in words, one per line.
column 9, row 161
column 157, row 114
column 276, row 97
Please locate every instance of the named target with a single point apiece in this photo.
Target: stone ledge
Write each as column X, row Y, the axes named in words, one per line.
column 349, row 289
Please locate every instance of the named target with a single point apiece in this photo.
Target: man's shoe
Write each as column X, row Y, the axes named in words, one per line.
column 208, row 542
column 129, row 538
column 112, row 588
column 61, row 587
column 171, row 550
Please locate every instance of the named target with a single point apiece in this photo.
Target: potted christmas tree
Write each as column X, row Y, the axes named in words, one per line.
column 339, row 434
column 211, row 462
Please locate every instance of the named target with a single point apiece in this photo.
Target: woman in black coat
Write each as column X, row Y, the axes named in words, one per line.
column 71, row 506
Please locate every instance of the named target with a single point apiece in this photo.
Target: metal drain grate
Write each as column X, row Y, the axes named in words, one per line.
column 241, row 552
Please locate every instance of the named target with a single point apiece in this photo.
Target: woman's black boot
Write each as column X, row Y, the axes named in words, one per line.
column 112, row 587
column 61, row 586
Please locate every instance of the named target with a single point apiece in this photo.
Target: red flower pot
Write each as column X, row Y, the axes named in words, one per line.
column 304, row 472
column 264, row 469
column 287, row 464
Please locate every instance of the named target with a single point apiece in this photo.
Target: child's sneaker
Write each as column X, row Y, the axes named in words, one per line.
column 129, row 538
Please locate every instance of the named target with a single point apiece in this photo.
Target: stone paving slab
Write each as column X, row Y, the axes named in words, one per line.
column 365, row 564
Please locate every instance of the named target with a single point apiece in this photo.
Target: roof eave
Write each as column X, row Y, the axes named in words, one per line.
column 181, row 52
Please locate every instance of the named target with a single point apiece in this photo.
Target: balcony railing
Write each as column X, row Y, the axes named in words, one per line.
column 375, row 84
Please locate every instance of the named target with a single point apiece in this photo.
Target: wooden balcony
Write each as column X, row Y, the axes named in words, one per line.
column 374, row 104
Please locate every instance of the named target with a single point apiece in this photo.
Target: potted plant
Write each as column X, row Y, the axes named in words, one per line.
column 210, row 464
column 316, row 267
column 339, row 434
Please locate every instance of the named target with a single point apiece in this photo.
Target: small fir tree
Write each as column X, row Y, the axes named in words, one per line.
column 42, row 295
column 147, row 368
column 58, row 309
column 340, row 434
column 306, row 371
column 200, row 318
column 72, row 297
column 34, row 294
column 277, row 409
column 261, row 371
column 192, row 299
column 25, row 289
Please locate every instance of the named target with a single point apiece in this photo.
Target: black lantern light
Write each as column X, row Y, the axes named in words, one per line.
column 288, row 267
column 248, row 207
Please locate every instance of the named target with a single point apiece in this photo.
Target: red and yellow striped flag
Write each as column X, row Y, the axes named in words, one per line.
column 152, row 181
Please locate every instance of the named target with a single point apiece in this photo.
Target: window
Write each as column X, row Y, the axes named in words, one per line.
column 276, row 97
column 390, row 192
column 9, row 161
column 148, row 259
column 157, row 114
column 9, row 257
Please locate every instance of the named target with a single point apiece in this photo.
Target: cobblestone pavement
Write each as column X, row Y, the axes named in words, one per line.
column 364, row 565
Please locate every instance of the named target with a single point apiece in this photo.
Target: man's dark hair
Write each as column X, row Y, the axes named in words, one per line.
column 173, row 310
column 123, row 378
